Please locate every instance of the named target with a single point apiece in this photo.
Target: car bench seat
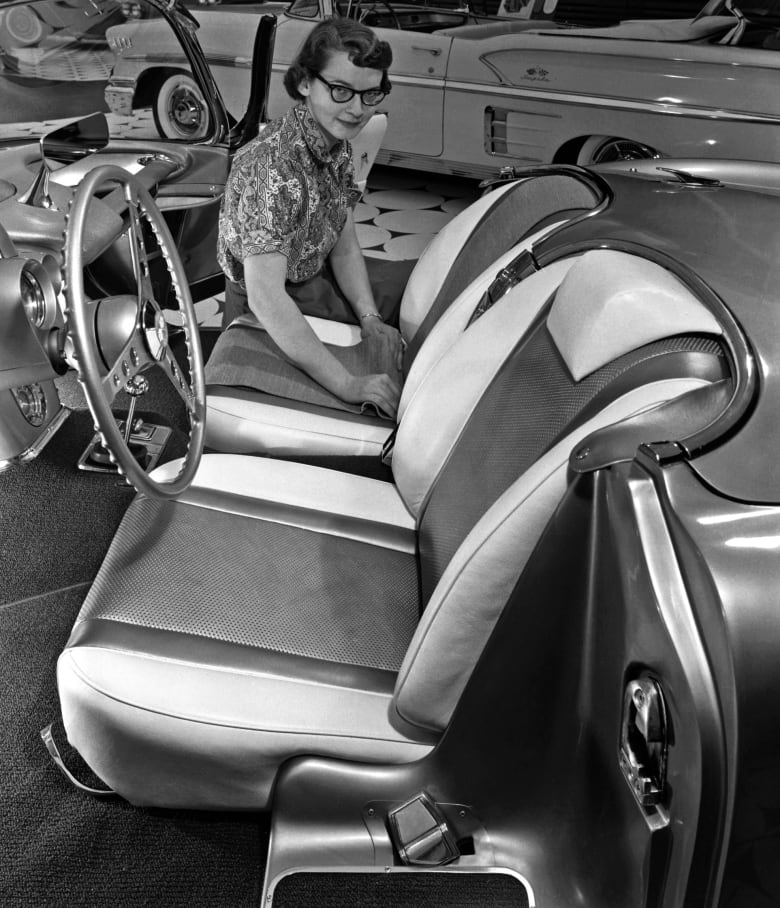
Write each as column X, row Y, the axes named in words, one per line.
column 507, row 220
column 278, row 609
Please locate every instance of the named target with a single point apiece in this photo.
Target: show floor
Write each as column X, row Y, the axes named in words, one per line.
column 401, row 212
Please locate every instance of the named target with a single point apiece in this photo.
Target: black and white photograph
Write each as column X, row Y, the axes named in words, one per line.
column 389, row 474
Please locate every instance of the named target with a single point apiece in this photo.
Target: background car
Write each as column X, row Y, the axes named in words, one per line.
column 471, row 98
column 25, row 26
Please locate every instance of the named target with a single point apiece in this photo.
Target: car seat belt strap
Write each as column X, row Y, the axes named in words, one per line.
column 51, row 745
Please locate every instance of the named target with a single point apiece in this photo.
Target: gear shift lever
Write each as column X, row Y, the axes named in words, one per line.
column 145, row 441
column 136, row 387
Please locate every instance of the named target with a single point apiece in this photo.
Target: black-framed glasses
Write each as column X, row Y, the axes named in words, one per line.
column 343, row 93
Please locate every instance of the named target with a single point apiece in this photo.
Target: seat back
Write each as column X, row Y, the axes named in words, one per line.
column 579, row 346
column 494, row 225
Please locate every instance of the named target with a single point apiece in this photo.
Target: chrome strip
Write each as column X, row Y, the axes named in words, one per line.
column 558, row 97
column 629, row 104
column 397, row 79
column 434, row 82
column 44, row 438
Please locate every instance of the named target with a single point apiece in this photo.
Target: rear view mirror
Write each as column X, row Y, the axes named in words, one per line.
column 77, row 139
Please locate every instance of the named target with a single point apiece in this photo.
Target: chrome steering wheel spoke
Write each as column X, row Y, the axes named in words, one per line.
column 183, row 387
column 138, row 253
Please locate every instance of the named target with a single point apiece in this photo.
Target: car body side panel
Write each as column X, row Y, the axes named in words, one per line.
column 536, row 95
column 599, row 603
column 738, row 544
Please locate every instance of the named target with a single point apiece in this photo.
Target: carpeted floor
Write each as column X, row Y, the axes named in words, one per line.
column 61, row 847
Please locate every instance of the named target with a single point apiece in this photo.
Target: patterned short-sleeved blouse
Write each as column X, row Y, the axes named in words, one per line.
column 286, row 193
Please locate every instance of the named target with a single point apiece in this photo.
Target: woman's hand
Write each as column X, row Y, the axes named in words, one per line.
column 379, row 390
column 375, row 327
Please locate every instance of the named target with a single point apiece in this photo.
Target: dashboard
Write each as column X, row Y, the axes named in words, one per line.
column 36, row 189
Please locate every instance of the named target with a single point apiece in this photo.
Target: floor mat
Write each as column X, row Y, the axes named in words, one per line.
column 401, row 890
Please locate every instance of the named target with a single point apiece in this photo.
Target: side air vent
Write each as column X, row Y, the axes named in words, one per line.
column 518, row 134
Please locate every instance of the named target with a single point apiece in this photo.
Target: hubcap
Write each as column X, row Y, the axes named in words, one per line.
column 186, row 110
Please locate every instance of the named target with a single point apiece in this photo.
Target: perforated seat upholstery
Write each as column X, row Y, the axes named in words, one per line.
column 497, row 227
column 279, row 609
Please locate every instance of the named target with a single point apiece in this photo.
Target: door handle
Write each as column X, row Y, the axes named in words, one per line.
column 435, row 51
column 644, row 740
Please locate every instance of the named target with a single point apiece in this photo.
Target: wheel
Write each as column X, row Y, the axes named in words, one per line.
column 118, row 338
column 21, row 27
column 603, row 149
column 180, row 110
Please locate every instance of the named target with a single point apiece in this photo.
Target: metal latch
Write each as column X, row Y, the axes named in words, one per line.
column 507, row 278
column 387, row 448
column 644, row 740
column 420, row 832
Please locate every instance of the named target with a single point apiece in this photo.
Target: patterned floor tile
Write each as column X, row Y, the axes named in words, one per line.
column 372, row 236
column 410, row 246
column 403, row 199
column 364, row 212
column 413, row 221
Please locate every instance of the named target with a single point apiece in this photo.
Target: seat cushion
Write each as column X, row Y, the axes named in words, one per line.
column 281, row 633
column 246, row 421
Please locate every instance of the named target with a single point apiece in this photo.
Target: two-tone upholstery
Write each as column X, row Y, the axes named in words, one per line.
column 279, row 609
column 497, row 228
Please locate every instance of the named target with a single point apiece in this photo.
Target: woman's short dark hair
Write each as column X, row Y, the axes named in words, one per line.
column 335, row 35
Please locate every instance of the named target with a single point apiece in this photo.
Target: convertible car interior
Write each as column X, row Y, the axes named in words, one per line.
column 266, row 632
column 515, row 648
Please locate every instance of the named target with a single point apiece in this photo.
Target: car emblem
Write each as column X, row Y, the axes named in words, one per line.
column 536, row 74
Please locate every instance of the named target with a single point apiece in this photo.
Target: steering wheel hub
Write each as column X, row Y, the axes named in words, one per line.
column 155, row 330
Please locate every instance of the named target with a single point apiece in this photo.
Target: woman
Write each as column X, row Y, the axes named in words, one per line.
column 287, row 241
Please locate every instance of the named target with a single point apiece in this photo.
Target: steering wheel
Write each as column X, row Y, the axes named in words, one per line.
column 358, row 13
column 118, row 338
